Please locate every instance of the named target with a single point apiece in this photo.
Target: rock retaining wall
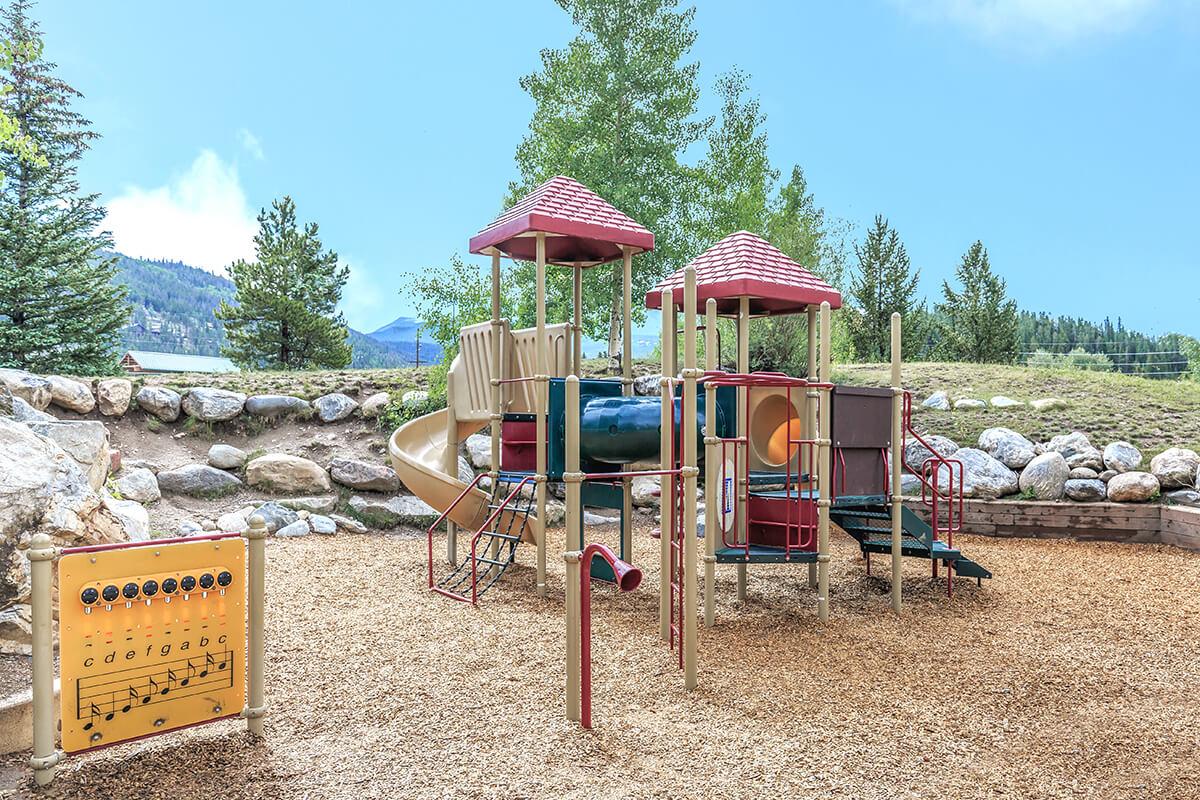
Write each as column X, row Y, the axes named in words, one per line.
column 1111, row 522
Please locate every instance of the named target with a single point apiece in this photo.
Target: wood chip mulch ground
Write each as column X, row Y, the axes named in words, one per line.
column 1075, row 673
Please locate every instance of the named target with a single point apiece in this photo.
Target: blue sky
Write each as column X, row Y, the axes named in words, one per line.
column 1063, row 133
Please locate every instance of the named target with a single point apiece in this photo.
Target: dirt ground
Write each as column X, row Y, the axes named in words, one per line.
column 1073, row 673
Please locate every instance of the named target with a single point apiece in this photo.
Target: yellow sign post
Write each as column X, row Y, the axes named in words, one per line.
column 152, row 638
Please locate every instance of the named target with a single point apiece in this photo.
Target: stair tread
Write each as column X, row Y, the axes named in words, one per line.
column 762, row 553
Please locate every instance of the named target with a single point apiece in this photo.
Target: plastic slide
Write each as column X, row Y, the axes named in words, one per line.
column 418, row 450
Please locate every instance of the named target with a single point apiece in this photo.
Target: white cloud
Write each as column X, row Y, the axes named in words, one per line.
column 366, row 304
column 1056, row 20
column 251, row 144
column 200, row 217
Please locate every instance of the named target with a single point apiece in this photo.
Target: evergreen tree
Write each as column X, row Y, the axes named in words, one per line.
column 616, row 110
column 59, row 308
column 283, row 312
column 884, row 284
column 980, row 321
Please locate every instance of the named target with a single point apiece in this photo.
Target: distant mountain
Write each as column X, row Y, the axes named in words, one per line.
column 172, row 312
column 402, row 334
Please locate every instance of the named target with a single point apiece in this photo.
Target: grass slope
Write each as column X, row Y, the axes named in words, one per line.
column 1151, row 414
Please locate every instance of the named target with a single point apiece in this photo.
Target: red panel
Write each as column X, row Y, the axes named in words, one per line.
column 768, row 515
column 518, row 445
column 586, row 227
column 745, row 265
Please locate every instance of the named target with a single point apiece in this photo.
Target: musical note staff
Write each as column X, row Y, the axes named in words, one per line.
column 119, row 692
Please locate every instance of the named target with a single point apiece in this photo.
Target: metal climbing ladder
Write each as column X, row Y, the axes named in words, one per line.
column 494, row 546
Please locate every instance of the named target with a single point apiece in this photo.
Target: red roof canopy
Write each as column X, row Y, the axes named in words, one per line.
column 584, row 229
column 745, row 265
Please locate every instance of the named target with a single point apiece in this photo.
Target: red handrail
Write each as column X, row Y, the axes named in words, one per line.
column 446, row 513
column 628, row 579
column 929, row 475
column 475, row 539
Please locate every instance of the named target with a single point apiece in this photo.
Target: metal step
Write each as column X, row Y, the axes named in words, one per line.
column 762, row 554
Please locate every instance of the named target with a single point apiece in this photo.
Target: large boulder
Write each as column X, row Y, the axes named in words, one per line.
column 1133, row 487
column 646, row 491
column 1184, row 497
column 138, row 484
column 19, row 409
column 198, row 480
column 1176, row 467
column 648, row 386
column 938, row 401
column 226, row 456
column 398, row 510
column 42, row 489
column 297, row 528
column 1085, row 490
column 969, row 404
column 85, row 440
column 159, row 402
column 134, row 518
column 1007, row 446
column 334, row 407
column 1045, row 477
column 319, row 504
column 916, row 454
column 479, row 450
column 285, row 474
column 322, row 524
column 373, row 406
column 276, row 405
column 1083, row 474
column 275, row 516
column 213, row 405
column 1000, row 401
column 113, row 396
column 1069, row 444
column 1077, row 450
column 1122, row 457
column 983, row 476
column 363, row 476
column 1048, row 404
column 33, row 389
column 70, row 394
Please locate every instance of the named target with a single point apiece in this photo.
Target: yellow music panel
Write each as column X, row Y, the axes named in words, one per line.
column 152, row 638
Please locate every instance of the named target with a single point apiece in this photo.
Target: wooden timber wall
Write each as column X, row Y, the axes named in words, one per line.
column 1114, row 522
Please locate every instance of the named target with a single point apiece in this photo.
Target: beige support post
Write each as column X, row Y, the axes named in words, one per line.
column 810, row 424
column 496, row 387
column 824, row 468
column 450, row 465
column 574, row 539
column 712, row 468
column 627, row 391
column 45, row 759
column 571, row 473
column 577, row 321
column 690, row 473
column 541, row 380
column 256, row 601
column 573, row 612
column 897, row 498
column 667, row 494
column 743, row 431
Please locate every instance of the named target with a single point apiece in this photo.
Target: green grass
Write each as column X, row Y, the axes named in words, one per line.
column 1151, row 414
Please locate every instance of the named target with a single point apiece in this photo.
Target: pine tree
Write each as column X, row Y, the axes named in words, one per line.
column 884, row 283
column 615, row 110
column 59, row 308
column 980, row 321
column 283, row 311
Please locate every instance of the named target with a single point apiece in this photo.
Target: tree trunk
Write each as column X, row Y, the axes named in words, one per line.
column 614, row 322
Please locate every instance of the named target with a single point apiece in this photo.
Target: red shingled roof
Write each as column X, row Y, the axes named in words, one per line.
column 585, row 228
column 745, row 265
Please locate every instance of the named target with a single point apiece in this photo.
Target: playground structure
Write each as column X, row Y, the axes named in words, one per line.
column 782, row 456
